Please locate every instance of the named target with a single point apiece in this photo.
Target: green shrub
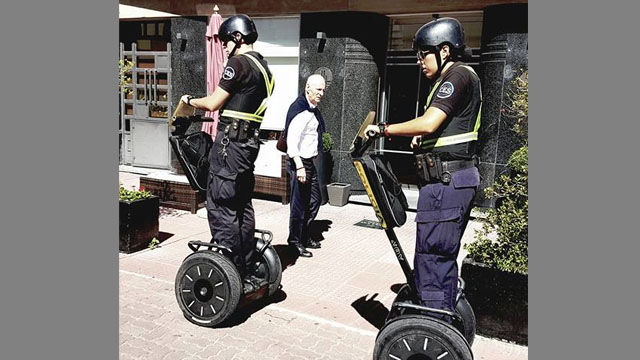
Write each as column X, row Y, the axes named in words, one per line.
column 327, row 141
column 124, row 69
column 503, row 240
column 133, row 195
column 154, row 243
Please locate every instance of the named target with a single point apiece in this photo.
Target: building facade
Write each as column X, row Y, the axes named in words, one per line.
column 363, row 49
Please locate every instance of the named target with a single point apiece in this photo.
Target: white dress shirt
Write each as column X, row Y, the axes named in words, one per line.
column 302, row 135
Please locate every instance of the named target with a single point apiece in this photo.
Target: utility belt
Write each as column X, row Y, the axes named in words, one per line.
column 238, row 129
column 431, row 169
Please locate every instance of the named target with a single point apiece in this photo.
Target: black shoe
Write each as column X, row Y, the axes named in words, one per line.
column 313, row 244
column 301, row 250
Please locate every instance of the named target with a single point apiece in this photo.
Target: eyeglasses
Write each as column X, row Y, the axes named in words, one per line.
column 421, row 54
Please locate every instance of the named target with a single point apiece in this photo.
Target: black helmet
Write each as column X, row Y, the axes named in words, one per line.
column 439, row 32
column 238, row 24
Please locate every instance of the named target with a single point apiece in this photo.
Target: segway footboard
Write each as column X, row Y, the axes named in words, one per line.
column 463, row 319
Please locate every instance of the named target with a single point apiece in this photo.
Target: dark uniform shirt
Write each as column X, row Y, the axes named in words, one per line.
column 242, row 79
column 458, row 95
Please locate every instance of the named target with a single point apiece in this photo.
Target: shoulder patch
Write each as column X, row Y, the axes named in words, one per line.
column 445, row 90
column 228, row 73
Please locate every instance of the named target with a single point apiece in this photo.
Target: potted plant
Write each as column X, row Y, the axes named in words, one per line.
column 337, row 194
column 139, row 210
column 496, row 268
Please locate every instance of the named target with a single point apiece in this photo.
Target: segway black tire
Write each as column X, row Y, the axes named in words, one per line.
column 420, row 337
column 468, row 328
column 208, row 288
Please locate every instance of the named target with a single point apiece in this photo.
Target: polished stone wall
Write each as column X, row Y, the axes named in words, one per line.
column 504, row 56
column 188, row 63
column 351, row 58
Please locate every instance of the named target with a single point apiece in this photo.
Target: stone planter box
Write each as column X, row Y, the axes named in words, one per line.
column 499, row 300
column 138, row 223
column 338, row 193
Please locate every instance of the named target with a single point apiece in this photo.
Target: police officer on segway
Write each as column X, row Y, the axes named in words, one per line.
column 444, row 140
column 241, row 96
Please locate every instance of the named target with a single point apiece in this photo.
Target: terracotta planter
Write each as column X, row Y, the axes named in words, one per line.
column 499, row 300
column 138, row 223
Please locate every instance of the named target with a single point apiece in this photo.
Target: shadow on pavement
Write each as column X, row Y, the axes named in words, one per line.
column 243, row 313
column 317, row 227
column 288, row 256
column 371, row 310
column 162, row 236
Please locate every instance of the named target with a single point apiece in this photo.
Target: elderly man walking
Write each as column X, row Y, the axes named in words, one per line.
column 304, row 140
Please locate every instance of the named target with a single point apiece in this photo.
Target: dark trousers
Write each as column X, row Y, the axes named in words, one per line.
column 442, row 216
column 305, row 202
column 229, row 209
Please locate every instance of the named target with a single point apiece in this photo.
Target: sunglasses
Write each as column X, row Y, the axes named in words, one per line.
column 421, row 54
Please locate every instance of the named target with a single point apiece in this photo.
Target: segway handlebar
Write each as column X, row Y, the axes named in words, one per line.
column 360, row 145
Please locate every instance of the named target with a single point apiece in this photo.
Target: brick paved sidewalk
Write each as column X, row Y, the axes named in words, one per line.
column 328, row 307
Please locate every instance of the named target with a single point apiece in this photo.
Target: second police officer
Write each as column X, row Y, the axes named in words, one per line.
column 444, row 138
column 241, row 96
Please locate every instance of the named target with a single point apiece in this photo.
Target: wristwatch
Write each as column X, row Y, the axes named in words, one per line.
column 384, row 129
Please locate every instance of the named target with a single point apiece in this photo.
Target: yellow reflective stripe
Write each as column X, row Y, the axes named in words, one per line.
column 367, row 187
column 268, row 84
column 454, row 139
column 241, row 115
column 450, row 140
column 262, row 107
column 433, row 90
column 476, row 127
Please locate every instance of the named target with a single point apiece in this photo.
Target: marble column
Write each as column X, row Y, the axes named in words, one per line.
column 504, row 56
column 188, row 64
column 348, row 49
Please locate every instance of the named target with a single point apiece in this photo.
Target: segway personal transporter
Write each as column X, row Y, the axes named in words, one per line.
column 208, row 286
column 411, row 331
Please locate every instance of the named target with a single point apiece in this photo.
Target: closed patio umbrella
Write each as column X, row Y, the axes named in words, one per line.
column 216, row 59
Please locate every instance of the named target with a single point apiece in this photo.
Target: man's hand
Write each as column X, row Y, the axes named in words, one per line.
column 415, row 142
column 301, row 175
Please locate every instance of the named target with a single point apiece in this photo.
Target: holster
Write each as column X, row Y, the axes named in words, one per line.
column 430, row 168
column 239, row 130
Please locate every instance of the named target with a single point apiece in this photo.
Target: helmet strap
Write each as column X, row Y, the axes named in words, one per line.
column 439, row 61
column 236, row 45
